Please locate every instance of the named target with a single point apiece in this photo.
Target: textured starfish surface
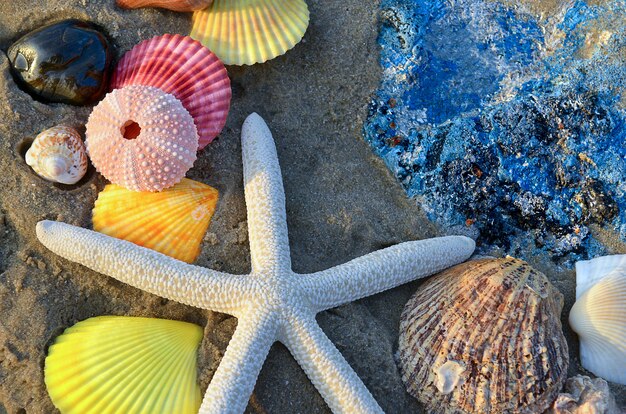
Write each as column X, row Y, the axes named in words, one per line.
column 272, row 303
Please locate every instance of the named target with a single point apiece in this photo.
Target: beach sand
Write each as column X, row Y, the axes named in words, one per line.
column 342, row 202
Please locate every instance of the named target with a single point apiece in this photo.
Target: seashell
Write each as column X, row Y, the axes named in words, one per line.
column 95, row 367
column 58, row 154
column 244, row 32
column 172, row 222
column 175, row 5
column 598, row 316
column 584, row 395
column 141, row 138
column 184, row 68
column 484, row 337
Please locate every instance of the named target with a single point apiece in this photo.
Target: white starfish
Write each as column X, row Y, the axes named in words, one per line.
column 272, row 303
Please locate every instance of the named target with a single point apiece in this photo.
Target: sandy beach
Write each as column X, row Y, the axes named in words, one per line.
column 342, row 202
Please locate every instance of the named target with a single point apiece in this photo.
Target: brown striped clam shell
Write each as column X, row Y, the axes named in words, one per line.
column 484, row 337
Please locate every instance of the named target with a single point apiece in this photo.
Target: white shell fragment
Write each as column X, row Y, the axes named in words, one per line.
column 484, row 337
column 448, row 376
column 58, row 154
column 599, row 316
column 584, row 395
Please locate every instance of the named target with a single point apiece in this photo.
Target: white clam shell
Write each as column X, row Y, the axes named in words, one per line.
column 58, row 154
column 599, row 316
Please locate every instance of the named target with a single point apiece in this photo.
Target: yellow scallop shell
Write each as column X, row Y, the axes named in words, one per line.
column 172, row 222
column 114, row 364
column 244, row 32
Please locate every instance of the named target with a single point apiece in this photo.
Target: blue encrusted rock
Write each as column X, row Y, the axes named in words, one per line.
column 65, row 62
column 513, row 124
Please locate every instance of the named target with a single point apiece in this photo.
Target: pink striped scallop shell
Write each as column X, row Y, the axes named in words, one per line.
column 186, row 69
column 141, row 138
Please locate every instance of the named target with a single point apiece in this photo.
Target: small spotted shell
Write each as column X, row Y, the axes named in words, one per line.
column 484, row 337
column 58, row 154
column 141, row 138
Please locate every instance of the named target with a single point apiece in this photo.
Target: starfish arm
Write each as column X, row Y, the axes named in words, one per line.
column 385, row 269
column 336, row 381
column 265, row 198
column 143, row 268
column 234, row 380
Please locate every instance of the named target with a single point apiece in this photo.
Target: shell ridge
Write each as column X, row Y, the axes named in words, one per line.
column 91, row 387
column 136, row 383
column 504, row 345
column 273, row 41
column 497, row 347
column 141, row 49
column 286, row 35
column 171, row 336
column 122, row 380
column 167, row 59
column 590, row 272
column 153, row 370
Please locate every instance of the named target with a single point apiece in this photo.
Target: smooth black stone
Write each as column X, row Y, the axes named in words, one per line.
column 67, row 62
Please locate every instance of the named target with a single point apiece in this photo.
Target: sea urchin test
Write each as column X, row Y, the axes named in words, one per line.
column 141, row 138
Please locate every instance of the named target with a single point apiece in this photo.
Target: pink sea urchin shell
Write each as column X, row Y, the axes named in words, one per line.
column 141, row 138
column 185, row 68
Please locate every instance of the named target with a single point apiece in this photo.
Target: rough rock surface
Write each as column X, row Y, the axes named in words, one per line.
column 341, row 203
column 583, row 395
column 507, row 118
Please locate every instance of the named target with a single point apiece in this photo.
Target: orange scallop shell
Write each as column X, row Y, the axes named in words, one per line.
column 172, row 221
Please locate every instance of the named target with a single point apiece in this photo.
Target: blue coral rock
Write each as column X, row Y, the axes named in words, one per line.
column 507, row 119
